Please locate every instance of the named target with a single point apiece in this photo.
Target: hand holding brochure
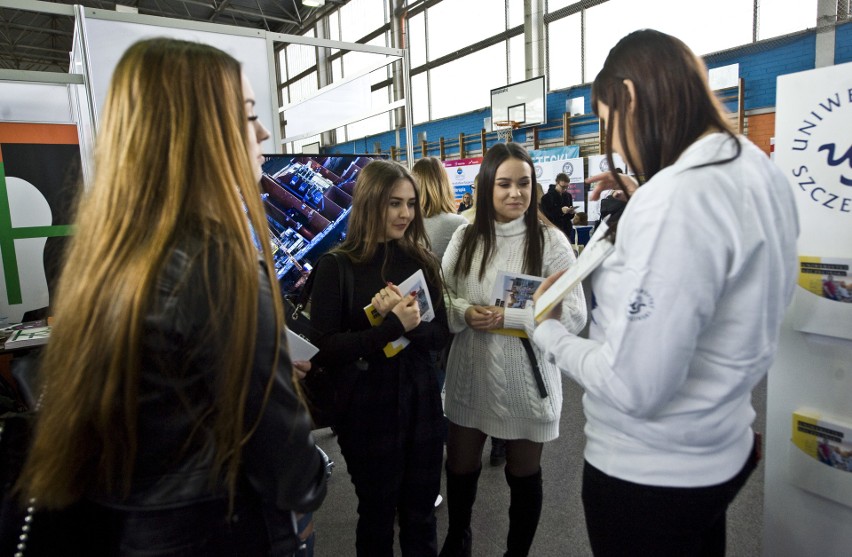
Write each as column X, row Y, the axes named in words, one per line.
column 514, row 291
column 300, row 348
column 414, row 283
column 590, row 259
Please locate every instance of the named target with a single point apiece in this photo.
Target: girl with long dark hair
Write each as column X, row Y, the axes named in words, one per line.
column 389, row 417
column 498, row 384
column 688, row 308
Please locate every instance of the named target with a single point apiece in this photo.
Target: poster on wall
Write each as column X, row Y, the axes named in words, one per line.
column 39, row 180
column 813, row 149
column 566, row 159
column 462, row 173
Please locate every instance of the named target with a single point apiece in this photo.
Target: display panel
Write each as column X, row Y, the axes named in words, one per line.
column 307, row 200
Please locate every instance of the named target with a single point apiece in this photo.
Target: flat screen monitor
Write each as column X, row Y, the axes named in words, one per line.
column 307, row 198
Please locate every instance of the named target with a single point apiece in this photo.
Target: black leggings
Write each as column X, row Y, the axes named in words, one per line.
column 625, row 518
column 464, row 452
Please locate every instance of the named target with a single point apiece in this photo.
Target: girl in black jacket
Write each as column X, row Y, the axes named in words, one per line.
column 389, row 416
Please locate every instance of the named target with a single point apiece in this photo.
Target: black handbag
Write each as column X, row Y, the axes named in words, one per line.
column 320, row 387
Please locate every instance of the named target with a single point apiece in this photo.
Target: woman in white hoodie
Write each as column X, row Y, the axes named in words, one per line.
column 688, row 308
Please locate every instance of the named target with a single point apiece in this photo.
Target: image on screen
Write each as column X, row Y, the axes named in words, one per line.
column 307, row 200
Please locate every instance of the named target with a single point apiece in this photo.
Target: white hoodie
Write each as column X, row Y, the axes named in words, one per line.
column 688, row 311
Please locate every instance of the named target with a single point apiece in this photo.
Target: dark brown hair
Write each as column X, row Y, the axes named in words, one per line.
column 672, row 105
column 368, row 219
column 482, row 229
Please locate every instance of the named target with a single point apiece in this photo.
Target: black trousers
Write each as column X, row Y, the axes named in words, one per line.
column 391, row 438
column 625, row 518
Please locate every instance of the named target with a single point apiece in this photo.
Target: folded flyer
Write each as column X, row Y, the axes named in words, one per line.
column 300, row 348
column 514, row 291
column 415, row 283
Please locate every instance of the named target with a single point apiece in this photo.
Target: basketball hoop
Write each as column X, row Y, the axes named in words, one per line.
column 505, row 129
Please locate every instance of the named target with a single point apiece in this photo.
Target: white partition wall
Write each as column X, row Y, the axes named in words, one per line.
column 107, row 35
column 39, row 171
column 808, row 493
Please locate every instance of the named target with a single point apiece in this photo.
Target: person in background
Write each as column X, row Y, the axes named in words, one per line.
column 389, row 418
column 469, row 214
column 611, row 201
column 170, row 412
column 558, row 205
column 580, row 219
column 465, row 203
column 436, row 203
column 496, row 383
column 688, row 308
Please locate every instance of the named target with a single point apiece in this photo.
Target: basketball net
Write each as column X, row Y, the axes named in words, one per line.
column 504, row 130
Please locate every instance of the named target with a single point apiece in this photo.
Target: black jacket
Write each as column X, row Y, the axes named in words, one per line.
column 551, row 205
column 282, row 471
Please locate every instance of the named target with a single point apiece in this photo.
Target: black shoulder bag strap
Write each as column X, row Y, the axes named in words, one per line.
column 346, row 283
column 539, row 380
column 346, row 280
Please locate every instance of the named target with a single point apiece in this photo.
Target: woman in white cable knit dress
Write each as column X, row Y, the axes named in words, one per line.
column 492, row 386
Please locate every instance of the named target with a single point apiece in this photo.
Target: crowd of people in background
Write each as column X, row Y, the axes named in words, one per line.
column 171, row 417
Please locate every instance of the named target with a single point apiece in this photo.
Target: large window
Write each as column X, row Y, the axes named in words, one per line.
column 437, row 30
column 517, row 59
column 359, row 18
column 417, row 39
column 726, row 25
column 564, row 42
column 420, row 98
column 780, row 17
column 465, row 84
column 515, row 13
column 454, row 24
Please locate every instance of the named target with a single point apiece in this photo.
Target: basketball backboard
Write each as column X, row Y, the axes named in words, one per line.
column 523, row 102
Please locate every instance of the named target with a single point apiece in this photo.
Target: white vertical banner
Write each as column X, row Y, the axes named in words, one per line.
column 813, row 147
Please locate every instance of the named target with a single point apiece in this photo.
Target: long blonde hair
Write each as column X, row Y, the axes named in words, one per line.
column 436, row 192
column 171, row 163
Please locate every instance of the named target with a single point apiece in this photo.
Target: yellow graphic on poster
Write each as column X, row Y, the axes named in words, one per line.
column 823, row 438
column 826, row 277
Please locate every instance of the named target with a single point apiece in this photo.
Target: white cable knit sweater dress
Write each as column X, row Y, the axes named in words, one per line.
column 490, row 384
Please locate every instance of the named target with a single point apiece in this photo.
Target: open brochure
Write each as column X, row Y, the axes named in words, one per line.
column 590, row 259
column 414, row 283
column 300, row 348
column 514, row 291
column 27, row 337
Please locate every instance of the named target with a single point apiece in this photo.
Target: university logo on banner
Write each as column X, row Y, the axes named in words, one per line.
column 813, row 147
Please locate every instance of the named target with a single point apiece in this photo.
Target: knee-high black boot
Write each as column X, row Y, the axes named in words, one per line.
column 524, row 512
column 461, row 493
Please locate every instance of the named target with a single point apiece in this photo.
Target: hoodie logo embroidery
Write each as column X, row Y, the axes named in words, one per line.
column 640, row 306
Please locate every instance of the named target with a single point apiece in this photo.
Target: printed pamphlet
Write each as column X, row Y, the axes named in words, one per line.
column 827, row 439
column 300, row 348
column 25, row 338
column 514, row 290
column 414, row 283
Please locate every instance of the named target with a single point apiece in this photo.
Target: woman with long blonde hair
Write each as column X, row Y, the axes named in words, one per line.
column 169, row 402
column 436, row 201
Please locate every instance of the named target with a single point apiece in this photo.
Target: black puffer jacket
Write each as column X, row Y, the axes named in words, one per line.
column 282, row 471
